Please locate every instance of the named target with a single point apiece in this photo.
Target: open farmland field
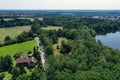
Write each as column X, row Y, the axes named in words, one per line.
column 12, row 32
column 52, row 28
column 16, row 48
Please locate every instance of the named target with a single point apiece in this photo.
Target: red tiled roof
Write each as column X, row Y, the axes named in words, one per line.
column 26, row 60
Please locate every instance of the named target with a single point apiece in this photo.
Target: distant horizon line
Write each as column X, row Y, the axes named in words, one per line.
column 67, row 9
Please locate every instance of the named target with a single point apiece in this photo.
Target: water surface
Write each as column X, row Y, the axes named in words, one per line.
column 110, row 39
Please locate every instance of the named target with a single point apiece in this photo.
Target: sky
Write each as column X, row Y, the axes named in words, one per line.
column 60, row 4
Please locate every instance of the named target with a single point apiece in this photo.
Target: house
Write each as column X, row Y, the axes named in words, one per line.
column 27, row 61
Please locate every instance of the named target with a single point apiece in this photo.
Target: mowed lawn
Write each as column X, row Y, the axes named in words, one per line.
column 52, row 28
column 16, row 48
column 12, row 32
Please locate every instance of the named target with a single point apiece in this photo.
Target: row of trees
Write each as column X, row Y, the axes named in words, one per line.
column 95, row 24
column 14, row 22
column 19, row 22
column 45, row 41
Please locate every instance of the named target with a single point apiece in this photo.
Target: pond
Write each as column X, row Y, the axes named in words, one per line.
column 110, row 39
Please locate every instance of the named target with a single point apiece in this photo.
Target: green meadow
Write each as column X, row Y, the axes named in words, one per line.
column 52, row 28
column 16, row 48
column 12, row 32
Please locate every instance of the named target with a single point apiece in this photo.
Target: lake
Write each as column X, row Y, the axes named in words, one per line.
column 110, row 39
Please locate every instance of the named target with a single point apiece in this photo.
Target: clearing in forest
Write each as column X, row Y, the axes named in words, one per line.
column 52, row 28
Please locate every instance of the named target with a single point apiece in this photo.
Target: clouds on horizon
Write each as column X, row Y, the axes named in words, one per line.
column 59, row 4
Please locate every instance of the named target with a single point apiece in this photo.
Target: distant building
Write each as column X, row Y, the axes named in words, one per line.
column 96, row 17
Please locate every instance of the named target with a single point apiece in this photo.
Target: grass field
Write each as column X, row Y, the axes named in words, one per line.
column 52, row 28
column 12, row 32
column 57, row 51
column 15, row 48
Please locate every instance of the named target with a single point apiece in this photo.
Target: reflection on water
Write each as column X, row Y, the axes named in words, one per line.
column 110, row 39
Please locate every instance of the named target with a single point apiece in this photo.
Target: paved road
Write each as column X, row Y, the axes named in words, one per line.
column 42, row 53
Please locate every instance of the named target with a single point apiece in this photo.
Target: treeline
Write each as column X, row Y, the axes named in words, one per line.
column 14, row 22
column 58, row 20
column 77, row 21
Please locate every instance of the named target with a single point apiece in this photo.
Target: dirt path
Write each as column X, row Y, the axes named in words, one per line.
column 42, row 53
